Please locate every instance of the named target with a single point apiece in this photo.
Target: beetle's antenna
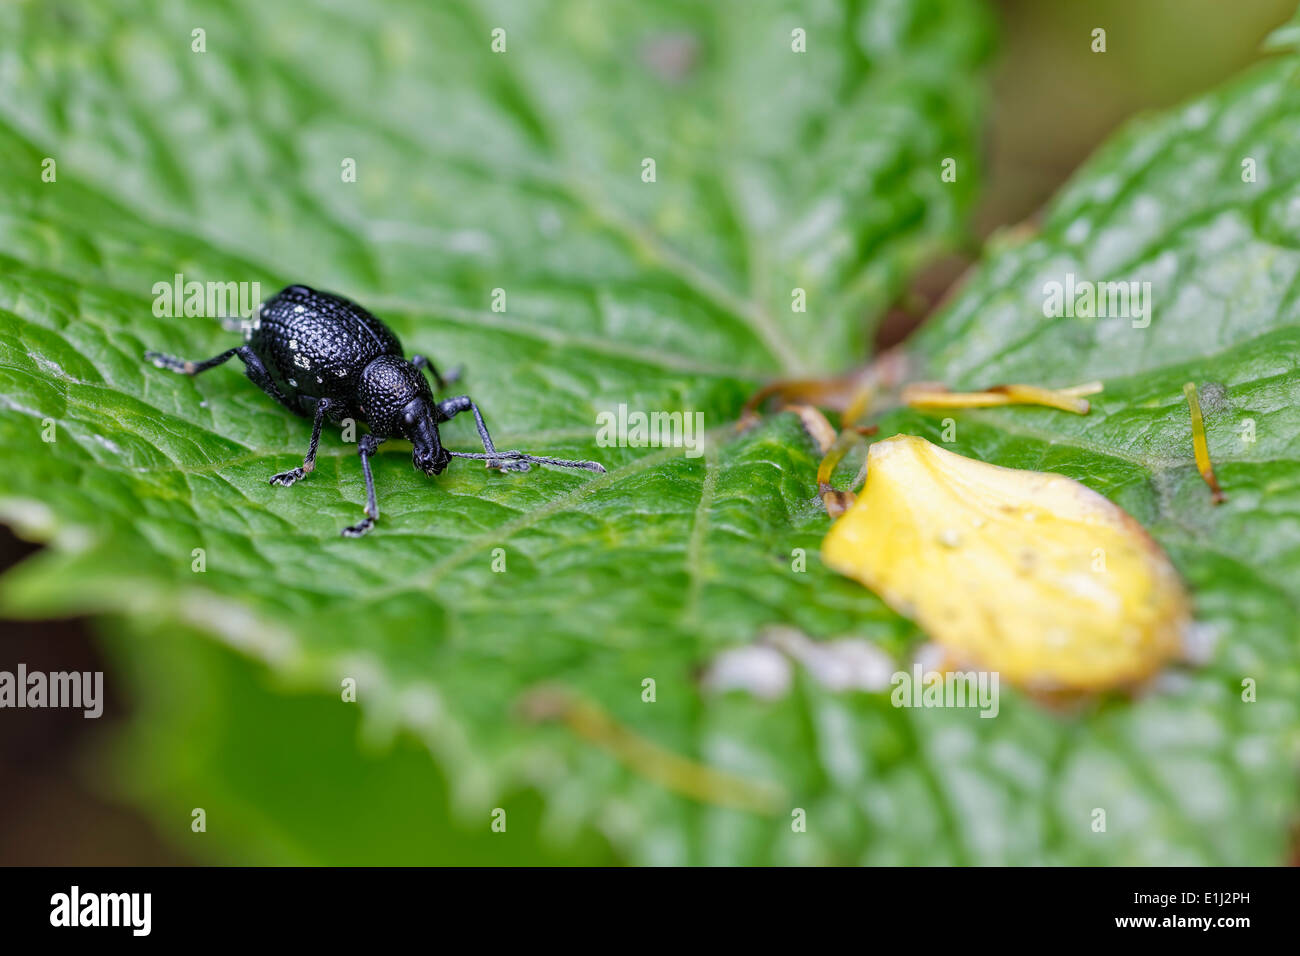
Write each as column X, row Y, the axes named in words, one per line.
column 520, row 456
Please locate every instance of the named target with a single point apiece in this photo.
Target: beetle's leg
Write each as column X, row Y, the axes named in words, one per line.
column 187, row 367
column 257, row 373
column 503, row 460
column 421, row 362
column 259, row 376
column 287, row 478
column 534, row 459
column 366, row 447
column 463, row 403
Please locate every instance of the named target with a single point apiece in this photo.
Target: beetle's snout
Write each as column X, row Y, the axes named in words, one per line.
column 429, row 456
column 431, row 460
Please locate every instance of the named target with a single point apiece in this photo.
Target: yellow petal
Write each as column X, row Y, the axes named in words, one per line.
column 1026, row 573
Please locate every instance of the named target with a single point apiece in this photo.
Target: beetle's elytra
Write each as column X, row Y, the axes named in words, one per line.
column 323, row 356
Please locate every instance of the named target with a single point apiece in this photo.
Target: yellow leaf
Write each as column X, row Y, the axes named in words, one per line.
column 1026, row 573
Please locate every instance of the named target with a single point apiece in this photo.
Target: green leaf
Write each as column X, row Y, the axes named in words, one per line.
column 475, row 171
column 1170, row 201
column 522, row 171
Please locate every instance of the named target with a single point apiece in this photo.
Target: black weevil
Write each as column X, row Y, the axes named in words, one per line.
column 323, row 356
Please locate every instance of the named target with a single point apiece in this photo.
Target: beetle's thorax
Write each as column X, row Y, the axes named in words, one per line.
column 386, row 387
column 394, row 398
